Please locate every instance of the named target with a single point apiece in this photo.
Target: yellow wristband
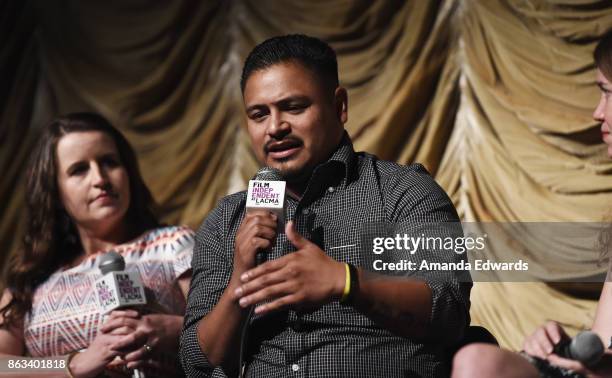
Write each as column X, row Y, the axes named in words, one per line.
column 347, row 283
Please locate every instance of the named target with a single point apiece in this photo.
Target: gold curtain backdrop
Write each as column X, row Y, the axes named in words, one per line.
column 494, row 97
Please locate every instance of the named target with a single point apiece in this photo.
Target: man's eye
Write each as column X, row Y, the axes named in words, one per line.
column 296, row 109
column 257, row 116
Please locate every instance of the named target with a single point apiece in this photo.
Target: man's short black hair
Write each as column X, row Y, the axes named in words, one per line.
column 311, row 52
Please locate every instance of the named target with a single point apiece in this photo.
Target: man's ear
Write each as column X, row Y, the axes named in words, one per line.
column 341, row 102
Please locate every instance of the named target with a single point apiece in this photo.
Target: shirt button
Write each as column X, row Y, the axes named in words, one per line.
column 331, row 189
column 305, row 211
column 295, row 367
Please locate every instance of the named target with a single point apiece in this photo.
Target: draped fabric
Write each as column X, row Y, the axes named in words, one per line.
column 494, row 97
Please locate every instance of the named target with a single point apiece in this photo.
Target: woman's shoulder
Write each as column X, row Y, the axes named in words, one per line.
column 167, row 235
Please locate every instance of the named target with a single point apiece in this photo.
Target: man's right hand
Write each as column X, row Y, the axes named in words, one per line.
column 256, row 232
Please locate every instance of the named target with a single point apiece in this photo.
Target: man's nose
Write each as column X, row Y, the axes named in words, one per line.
column 278, row 127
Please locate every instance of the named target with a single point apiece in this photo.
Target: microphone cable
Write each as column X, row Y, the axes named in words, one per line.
column 260, row 258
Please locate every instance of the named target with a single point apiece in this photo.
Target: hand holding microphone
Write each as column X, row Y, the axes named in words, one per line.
column 115, row 291
column 103, row 350
column 550, row 342
column 265, row 212
column 264, row 217
column 256, row 234
column 306, row 279
column 586, row 348
column 124, row 294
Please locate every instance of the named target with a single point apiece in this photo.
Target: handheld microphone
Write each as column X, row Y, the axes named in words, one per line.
column 267, row 192
column 118, row 288
column 586, row 347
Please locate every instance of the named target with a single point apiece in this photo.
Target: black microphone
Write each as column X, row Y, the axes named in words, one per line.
column 586, row 347
column 267, row 192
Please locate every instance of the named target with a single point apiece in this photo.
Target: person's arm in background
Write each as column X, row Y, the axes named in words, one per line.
column 602, row 324
column 542, row 342
column 11, row 339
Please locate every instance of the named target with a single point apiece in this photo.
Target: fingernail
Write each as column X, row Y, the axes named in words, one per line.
column 244, row 277
column 243, row 301
column 238, row 292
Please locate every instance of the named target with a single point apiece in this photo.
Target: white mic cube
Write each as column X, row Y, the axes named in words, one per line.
column 119, row 289
column 267, row 195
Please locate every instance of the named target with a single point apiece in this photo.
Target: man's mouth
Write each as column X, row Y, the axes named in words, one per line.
column 283, row 149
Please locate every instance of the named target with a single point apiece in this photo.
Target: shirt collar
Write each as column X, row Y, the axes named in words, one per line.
column 342, row 162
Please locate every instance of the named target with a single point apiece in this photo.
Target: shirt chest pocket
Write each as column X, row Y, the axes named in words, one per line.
column 343, row 244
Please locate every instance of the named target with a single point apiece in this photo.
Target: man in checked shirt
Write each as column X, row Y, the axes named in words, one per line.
column 385, row 326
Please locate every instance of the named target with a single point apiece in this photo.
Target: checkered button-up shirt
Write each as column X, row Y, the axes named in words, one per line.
column 347, row 192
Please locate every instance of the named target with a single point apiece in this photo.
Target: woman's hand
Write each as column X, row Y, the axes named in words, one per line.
column 542, row 342
column 153, row 333
column 109, row 343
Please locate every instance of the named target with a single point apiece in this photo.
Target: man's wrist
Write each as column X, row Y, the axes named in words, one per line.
column 340, row 282
column 351, row 285
column 233, row 284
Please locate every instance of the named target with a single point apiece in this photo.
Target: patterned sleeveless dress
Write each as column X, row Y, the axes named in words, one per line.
column 65, row 315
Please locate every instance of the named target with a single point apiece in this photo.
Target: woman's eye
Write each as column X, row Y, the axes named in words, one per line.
column 110, row 162
column 77, row 170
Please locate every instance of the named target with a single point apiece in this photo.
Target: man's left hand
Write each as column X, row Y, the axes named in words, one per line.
column 305, row 279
